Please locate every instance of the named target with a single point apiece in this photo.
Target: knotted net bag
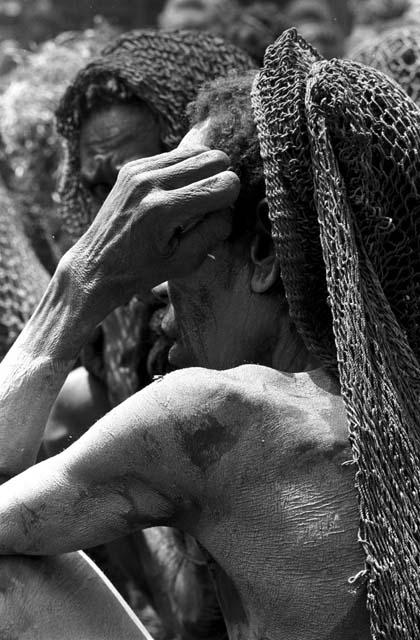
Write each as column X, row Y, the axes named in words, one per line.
column 340, row 144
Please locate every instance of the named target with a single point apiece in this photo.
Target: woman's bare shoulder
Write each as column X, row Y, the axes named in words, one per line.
column 215, row 413
column 195, row 388
column 298, row 406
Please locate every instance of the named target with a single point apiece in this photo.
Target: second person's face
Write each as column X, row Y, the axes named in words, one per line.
column 111, row 137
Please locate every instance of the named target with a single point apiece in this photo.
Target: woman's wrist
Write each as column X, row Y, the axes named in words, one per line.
column 64, row 319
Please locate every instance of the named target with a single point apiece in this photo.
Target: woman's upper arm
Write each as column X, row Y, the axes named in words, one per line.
column 143, row 464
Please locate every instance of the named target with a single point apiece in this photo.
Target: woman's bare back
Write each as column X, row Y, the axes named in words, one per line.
column 281, row 522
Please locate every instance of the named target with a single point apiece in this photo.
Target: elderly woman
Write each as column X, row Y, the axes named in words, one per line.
column 131, row 103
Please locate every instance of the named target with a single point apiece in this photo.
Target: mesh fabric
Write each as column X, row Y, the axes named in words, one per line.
column 340, row 144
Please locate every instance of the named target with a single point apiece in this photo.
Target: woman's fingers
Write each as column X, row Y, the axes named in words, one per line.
column 162, row 160
column 189, row 204
column 192, row 169
column 154, row 204
column 193, row 213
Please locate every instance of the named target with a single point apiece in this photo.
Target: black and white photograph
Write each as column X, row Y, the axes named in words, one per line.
column 209, row 320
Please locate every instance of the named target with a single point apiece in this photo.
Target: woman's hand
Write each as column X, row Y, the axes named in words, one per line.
column 160, row 220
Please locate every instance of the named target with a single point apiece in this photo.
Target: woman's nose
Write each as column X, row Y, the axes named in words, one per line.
column 99, row 168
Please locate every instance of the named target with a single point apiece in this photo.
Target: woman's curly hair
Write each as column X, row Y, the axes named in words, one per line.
column 227, row 102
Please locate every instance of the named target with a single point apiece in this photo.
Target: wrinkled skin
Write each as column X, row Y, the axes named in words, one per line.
column 250, row 461
column 110, row 137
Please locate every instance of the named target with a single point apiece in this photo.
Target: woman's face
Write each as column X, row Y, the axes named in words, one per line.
column 111, row 137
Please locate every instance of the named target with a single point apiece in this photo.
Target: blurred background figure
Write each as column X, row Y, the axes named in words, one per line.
column 252, row 25
column 31, row 21
column 31, row 150
column 251, row 28
column 371, row 18
column 23, row 280
column 11, row 55
column 255, row 26
column 317, row 21
column 396, row 53
column 198, row 14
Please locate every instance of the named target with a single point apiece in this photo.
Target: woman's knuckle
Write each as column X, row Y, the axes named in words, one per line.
column 150, row 180
column 124, row 173
column 155, row 199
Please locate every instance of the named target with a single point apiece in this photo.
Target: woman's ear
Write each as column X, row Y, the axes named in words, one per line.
column 266, row 268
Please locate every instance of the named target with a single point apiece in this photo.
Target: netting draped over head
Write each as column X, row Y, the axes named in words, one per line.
column 163, row 69
column 340, row 144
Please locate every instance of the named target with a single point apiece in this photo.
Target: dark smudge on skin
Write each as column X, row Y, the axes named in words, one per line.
column 209, row 442
column 292, row 415
column 130, row 516
column 31, row 519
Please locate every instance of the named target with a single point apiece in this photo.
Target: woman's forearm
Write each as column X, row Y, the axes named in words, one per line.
column 32, row 373
column 148, row 230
